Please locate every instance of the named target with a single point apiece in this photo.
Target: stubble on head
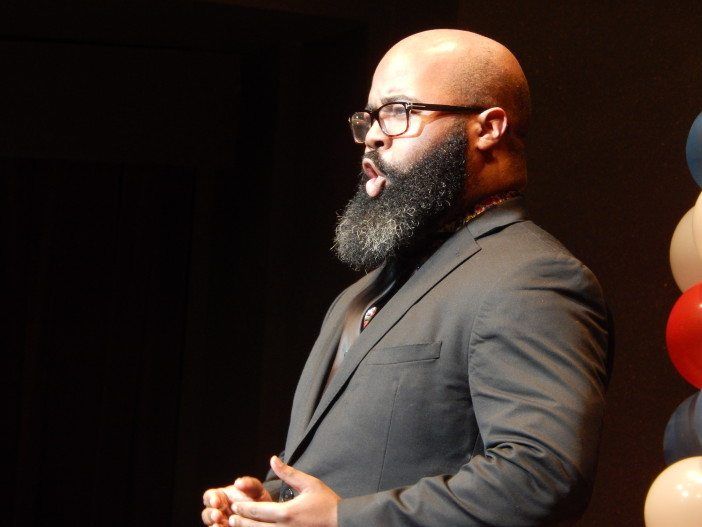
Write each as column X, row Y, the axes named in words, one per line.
column 414, row 204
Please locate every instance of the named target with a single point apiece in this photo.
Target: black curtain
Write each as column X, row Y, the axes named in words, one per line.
column 167, row 203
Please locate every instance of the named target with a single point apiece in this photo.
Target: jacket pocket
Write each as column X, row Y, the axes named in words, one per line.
column 409, row 353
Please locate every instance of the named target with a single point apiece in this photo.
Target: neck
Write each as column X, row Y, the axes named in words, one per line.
column 491, row 173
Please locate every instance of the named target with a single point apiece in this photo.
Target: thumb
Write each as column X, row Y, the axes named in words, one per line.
column 297, row 479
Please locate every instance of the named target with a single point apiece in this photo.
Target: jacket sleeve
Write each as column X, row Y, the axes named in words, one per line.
column 537, row 375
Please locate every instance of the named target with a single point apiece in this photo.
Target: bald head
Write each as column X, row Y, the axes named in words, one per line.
column 471, row 70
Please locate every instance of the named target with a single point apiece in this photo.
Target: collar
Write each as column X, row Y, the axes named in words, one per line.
column 497, row 217
column 479, row 208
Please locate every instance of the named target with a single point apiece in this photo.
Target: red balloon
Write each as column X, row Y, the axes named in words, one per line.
column 684, row 335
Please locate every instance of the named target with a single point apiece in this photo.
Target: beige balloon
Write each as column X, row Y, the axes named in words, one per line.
column 675, row 498
column 697, row 224
column 685, row 262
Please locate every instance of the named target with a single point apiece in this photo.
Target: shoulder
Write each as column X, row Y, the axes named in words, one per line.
column 524, row 255
column 523, row 241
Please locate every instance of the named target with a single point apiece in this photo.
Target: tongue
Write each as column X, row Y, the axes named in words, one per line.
column 374, row 186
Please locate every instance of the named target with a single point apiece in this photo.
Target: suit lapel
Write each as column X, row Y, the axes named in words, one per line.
column 314, row 375
column 439, row 265
column 450, row 255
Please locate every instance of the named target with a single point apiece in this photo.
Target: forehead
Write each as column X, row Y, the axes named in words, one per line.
column 410, row 76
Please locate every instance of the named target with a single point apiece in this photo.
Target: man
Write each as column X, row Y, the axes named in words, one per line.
column 461, row 382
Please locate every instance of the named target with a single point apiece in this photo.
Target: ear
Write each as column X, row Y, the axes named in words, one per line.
column 493, row 126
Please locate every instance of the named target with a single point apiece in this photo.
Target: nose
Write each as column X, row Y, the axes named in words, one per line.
column 375, row 138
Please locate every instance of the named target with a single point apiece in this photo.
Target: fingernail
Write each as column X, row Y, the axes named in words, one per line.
column 235, row 509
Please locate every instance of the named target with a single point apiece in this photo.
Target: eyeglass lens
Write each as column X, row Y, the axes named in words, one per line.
column 360, row 122
column 392, row 117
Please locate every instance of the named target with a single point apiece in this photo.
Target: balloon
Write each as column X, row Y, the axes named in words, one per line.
column 697, row 224
column 693, row 150
column 683, row 335
column 675, row 498
column 683, row 435
column 685, row 262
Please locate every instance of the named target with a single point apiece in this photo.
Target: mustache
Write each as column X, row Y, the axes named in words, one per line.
column 374, row 157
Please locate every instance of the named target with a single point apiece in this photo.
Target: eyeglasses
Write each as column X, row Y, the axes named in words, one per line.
column 393, row 117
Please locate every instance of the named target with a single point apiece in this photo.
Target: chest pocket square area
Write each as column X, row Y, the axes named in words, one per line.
column 408, row 353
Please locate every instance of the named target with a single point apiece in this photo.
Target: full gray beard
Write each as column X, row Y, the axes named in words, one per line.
column 411, row 206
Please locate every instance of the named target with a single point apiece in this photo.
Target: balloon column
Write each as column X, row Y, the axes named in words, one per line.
column 675, row 497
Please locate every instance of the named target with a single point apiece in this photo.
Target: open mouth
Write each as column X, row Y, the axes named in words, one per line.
column 376, row 179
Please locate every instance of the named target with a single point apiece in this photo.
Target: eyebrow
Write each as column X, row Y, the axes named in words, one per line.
column 393, row 98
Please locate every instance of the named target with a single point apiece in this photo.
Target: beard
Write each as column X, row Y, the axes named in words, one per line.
column 412, row 205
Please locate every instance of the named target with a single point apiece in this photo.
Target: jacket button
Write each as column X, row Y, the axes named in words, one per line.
column 286, row 493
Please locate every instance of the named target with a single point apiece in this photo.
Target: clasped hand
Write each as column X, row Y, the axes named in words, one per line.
column 247, row 503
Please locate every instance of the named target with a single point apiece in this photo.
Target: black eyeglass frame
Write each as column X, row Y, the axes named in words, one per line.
column 409, row 106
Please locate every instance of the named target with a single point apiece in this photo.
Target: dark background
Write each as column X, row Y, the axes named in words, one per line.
column 170, row 175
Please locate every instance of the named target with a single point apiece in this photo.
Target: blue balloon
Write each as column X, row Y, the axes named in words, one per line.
column 683, row 435
column 693, row 150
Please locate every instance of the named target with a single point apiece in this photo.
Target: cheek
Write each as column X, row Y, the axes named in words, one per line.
column 422, row 134
column 404, row 151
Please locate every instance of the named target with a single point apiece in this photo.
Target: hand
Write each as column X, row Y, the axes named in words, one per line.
column 315, row 506
column 218, row 502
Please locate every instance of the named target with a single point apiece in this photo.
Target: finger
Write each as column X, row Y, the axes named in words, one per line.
column 212, row 516
column 216, row 498
column 239, row 521
column 233, row 494
column 252, row 487
column 297, row 479
column 261, row 511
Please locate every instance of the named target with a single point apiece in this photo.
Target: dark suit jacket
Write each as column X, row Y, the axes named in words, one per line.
column 474, row 397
